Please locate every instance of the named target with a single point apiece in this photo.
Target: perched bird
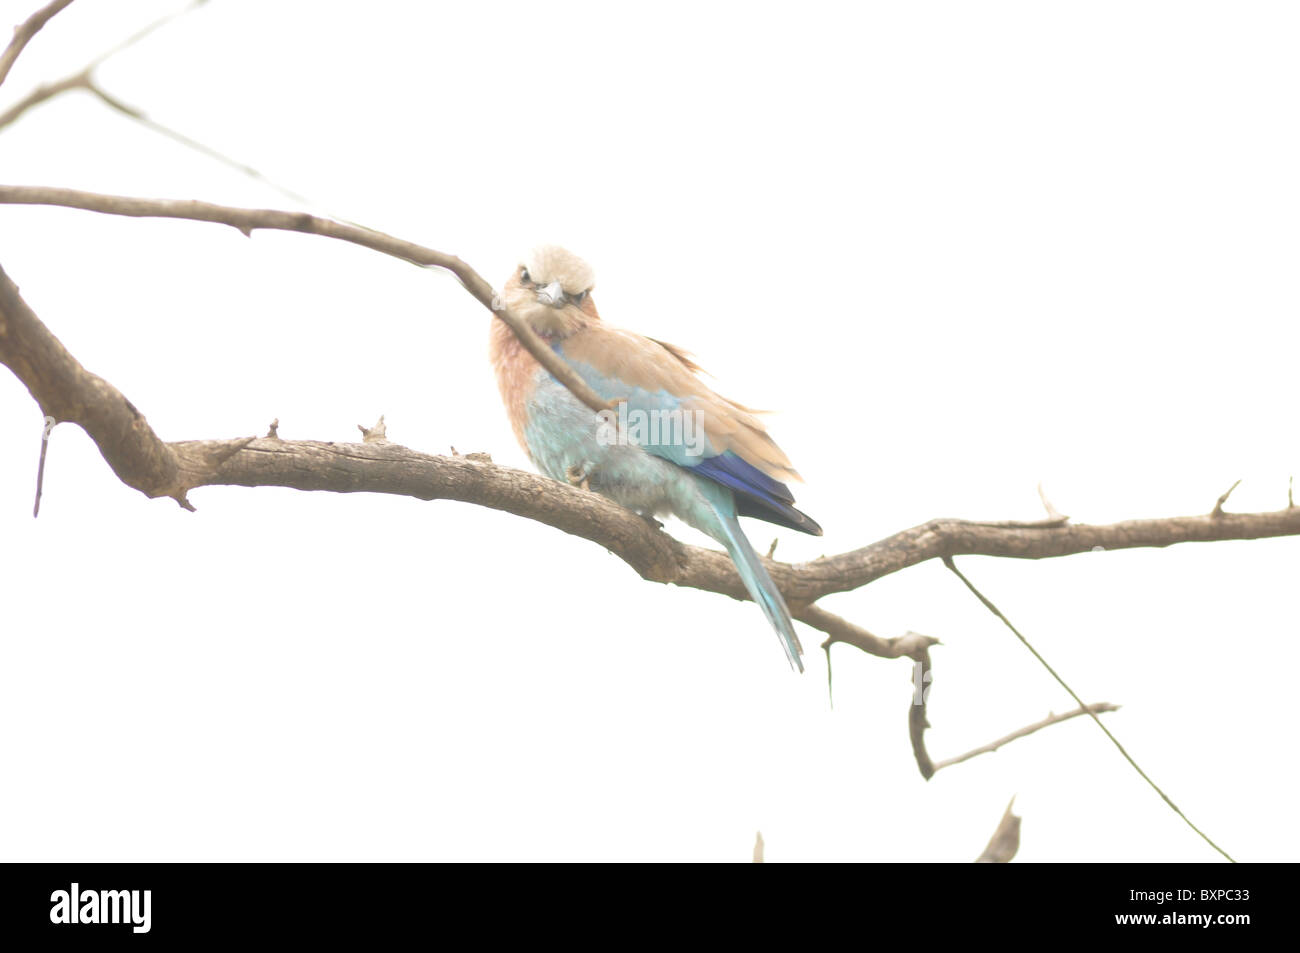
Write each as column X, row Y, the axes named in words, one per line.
column 671, row 445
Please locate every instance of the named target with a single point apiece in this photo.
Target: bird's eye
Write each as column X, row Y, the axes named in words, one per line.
column 523, row 273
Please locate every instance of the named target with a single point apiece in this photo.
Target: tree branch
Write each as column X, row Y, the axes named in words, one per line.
column 43, row 92
column 68, row 392
column 992, row 746
column 945, row 538
column 801, row 584
column 24, row 32
column 248, row 219
column 84, row 78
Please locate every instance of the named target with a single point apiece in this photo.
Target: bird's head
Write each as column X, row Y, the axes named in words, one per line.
column 551, row 290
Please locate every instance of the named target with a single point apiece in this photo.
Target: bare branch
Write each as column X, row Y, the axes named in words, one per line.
column 945, row 538
column 138, row 115
column 988, row 604
column 910, row 645
column 67, row 391
column 24, row 32
column 918, row 719
column 84, row 79
column 143, row 32
column 1027, row 730
column 247, row 219
column 43, row 92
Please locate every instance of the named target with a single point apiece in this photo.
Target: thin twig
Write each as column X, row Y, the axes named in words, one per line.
column 84, row 79
column 46, row 430
column 246, row 220
column 1115, row 741
column 138, row 115
column 24, row 32
column 992, row 746
column 41, row 93
column 143, row 32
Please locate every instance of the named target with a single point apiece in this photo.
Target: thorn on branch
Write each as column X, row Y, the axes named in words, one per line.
column 376, row 434
column 227, row 449
column 771, row 550
column 1218, row 506
column 1053, row 514
column 273, row 432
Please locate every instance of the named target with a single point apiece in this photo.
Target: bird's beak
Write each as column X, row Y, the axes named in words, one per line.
column 552, row 294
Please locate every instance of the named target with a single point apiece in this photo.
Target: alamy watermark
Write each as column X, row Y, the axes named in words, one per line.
column 624, row 426
column 78, row 905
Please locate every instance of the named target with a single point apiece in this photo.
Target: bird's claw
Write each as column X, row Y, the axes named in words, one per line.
column 577, row 476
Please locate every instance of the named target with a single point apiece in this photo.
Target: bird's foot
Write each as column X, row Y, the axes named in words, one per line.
column 577, row 476
column 650, row 518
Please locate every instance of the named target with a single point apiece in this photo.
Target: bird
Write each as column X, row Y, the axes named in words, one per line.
column 670, row 446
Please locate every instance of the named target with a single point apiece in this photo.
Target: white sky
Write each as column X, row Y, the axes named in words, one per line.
column 963, row 248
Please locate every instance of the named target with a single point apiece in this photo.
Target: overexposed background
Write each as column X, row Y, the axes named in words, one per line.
column 963, row 248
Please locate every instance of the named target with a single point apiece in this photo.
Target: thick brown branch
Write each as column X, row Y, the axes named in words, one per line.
column 24, row 32
column 392, row 468
column 942, row 538
column 912, row 644
column 248, row 219
column 66, row 391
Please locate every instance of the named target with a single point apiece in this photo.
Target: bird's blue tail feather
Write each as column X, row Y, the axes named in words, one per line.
column 760, row 586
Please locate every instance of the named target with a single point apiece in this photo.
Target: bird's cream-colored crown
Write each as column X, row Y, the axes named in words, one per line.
column 548, row 263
